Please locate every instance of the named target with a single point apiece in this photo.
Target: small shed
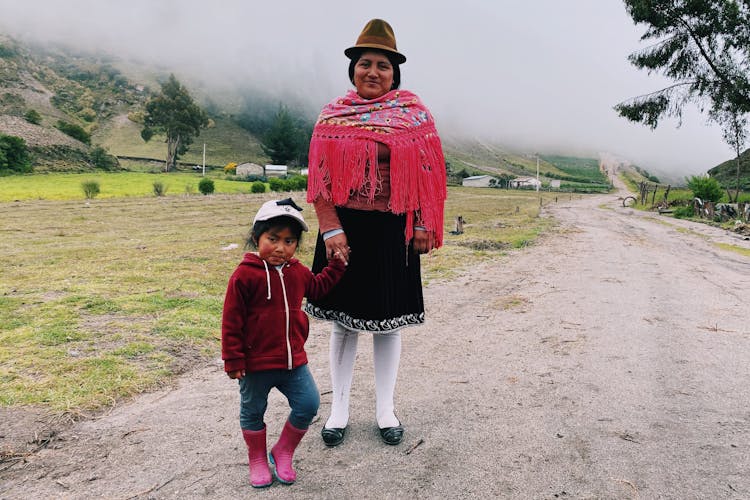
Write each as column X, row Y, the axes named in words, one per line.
column 525, row 182
column 245, row 169
column 275, row 170
column 477, row 181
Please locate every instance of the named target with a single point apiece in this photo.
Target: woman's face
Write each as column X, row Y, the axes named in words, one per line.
column 373, row 75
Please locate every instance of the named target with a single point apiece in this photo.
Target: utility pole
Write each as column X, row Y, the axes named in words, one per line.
column 204, row 159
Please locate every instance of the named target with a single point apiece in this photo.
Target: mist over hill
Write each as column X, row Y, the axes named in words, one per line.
column 104, row 95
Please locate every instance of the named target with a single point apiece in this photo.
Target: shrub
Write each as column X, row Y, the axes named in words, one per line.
column 101, row 158
column 87, row 114
column 277, row 184
column 206, row 186
column 136, row 117
column 706, row 188
column 230, row 168
column 14, row 155
column 74, row 131
column 90, row 189
column 297, row 183
column 258, row 187
column 33, row 116
column 683, row 212
column 159, row 188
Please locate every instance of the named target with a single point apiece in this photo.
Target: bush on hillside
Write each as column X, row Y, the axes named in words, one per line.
column 74, row 131
column 101, row 158
column 14, row 155
column 706, row 188
column 33, row 116
column 206, row 186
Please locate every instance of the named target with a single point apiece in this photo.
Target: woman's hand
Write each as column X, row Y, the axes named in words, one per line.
column 338, row 248
column 236, row 374
column 423, row 241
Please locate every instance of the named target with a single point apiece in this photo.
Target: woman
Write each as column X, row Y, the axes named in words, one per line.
column 377, row 181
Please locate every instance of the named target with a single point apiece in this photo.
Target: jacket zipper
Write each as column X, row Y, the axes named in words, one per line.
column 286, row 311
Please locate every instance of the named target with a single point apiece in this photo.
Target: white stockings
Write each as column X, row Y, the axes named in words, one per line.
column 386, row 356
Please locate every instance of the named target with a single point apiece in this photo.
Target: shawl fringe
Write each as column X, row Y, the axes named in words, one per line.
column 343, row 161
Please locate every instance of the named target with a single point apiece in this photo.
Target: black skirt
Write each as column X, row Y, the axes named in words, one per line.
column 381, row 289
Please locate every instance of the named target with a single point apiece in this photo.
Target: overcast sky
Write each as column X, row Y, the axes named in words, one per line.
column 533, row 75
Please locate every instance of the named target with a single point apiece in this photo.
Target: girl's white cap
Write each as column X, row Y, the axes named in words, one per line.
column 280, row 208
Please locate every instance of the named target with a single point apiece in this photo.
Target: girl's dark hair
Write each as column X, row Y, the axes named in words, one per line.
column 396, row 68
column 280, row 222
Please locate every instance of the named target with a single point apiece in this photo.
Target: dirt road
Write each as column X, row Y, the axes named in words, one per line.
column 611, row 360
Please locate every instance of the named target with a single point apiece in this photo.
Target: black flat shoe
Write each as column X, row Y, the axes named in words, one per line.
column 392, row 435
column 334, row 436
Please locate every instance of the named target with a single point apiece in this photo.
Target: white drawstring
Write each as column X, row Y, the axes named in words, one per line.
column 268, row 281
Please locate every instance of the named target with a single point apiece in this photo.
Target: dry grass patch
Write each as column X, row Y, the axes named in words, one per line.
column 103, row 299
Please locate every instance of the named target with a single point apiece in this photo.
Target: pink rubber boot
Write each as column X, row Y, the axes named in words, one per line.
column 283, row 451
column 260, row 474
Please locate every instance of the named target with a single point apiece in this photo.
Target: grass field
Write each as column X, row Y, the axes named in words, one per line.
column 104, row 299
column 113, row 185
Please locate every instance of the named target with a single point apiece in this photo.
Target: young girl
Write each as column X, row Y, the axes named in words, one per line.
column 263, row 333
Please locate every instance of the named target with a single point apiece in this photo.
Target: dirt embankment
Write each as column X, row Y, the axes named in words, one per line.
column 608, row 361
column 36, row 135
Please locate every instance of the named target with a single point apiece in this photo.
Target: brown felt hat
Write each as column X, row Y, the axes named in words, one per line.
column 377, row 34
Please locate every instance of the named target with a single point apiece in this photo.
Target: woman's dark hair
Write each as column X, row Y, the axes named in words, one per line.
column 280, row 222
column 396, row 69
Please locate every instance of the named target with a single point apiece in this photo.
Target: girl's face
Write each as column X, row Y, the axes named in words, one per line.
column 277, row 245
column 373, row 75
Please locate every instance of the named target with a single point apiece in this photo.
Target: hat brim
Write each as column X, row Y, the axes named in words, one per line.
column 352, row 52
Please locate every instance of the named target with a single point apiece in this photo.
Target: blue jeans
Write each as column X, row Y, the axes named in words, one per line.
column 297, row 385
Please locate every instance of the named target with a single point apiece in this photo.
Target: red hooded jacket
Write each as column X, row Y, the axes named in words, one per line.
column 263, row 326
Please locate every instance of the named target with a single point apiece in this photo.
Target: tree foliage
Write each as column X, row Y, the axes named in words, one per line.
column 285, row 139
column 734, row 126
column 14, row 155
column 703, row 47
column 174, row 114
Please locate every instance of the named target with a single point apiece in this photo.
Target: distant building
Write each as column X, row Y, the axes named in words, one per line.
column 304, row 171
column 248, row 168
column 275, row 170
column 525, row 182
column 554, row 183
column 477, row 181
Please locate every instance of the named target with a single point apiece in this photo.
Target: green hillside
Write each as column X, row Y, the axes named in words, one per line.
column 225, row 142
column 726, row 173
column 90, row 93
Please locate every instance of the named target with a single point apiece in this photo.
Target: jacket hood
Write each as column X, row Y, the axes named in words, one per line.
column 253, row 260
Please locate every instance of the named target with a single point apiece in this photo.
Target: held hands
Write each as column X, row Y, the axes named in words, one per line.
column 337, row 248
column 423, row 241
column 236, row 374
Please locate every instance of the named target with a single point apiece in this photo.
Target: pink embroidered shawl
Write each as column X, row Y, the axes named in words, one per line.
column 343, row 156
